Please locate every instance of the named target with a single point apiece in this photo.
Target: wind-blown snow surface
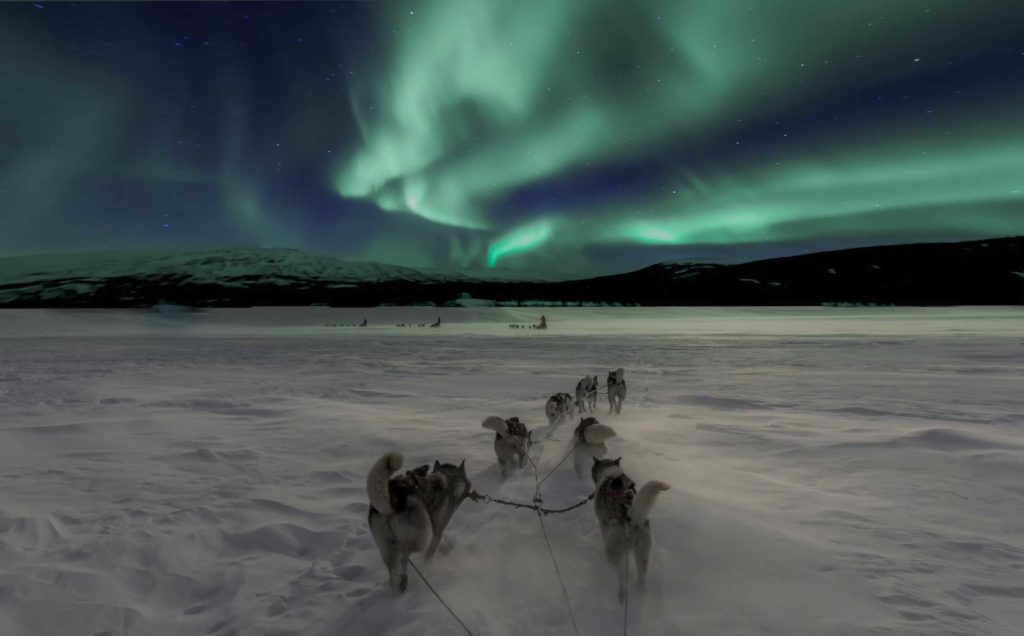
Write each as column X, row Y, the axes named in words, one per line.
column 833, row 471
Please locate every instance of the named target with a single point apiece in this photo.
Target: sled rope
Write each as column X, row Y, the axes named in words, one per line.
column 558, row 572
column 552, row 471
column 541, row 513
column 536, row 505
column 429, row 586
column 475, row 496
column 539, row 499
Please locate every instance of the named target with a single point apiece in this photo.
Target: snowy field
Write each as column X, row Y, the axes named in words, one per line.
column 833, row 471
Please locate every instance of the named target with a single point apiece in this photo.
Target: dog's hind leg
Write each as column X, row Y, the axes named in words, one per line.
column 401, row 571
column 616, row 548
column 431, row 539
column 387, row 543
column 642, row 552
column 391, row 553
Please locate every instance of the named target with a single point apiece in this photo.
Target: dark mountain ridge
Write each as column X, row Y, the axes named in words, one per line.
column 989, row 272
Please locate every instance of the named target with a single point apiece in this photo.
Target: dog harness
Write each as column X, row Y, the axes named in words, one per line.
column 584, row 424
column 515, row 427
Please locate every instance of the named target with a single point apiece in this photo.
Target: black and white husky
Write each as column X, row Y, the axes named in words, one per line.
column 511, row 442
column 586, row 394
column 622, row 514
column 589, row 438
column 408, row 513
column 616, row 389
column 559, row 407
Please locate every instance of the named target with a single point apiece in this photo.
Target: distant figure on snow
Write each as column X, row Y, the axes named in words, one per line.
column 363, row 324
column 543, row 323
column 438, row 323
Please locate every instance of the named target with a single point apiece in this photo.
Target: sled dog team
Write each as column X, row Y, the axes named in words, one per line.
column 409, row 512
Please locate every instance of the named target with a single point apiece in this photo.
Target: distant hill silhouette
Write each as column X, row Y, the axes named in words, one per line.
column 989, row 272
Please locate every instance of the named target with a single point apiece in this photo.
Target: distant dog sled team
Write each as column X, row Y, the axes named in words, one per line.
column 410, row 511
column 543, row 324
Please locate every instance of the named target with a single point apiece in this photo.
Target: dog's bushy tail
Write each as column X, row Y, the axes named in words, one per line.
column 496, row 424
column 644, row 501
column 597, row 433
column 377, row 481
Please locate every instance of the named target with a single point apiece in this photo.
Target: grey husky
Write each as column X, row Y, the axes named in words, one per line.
column 558, row 407
column 589, row 438
column 586, row 394
column 616, row 389
column 622, row 514
column 511, row 442
column 408, row 513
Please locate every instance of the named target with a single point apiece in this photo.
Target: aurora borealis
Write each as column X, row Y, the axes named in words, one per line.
column 575, row 136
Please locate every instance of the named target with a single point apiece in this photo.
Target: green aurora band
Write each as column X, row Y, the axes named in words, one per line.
column 475, row 100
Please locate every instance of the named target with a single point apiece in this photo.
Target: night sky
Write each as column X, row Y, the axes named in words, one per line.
column 578, row 136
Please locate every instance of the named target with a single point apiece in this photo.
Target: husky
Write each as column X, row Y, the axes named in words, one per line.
column 586, row 394
column 511, row 442
column 558, row 407
column 622, row 514
column 409, row 513
column 616, row 389
column 589, row 438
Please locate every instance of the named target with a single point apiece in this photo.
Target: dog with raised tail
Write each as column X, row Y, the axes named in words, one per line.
column 589, row 437
column 616, row 390
column 622, row 514
column 512, row 442
column 586, row 394
column 410, row 512
column 559, row 407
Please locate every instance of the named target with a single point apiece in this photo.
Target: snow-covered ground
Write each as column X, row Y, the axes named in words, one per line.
column 833, row 471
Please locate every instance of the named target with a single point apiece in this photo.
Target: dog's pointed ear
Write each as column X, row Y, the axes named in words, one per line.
column 437, row 465
column 596, row 460
column 462, row 468
column 618, row 461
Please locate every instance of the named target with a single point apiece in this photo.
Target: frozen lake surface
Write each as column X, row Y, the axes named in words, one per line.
column 833, row 471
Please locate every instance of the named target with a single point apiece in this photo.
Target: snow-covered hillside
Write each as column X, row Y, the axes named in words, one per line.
column 237, row 265
column 833, row 471
column 129, row 277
